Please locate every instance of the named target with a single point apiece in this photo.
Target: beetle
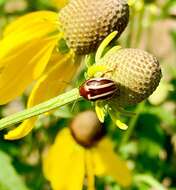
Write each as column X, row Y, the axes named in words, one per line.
column 98, row 89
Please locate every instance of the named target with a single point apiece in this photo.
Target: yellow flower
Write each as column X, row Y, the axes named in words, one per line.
column 67, row 163
column 60, row 3
column 28, row 53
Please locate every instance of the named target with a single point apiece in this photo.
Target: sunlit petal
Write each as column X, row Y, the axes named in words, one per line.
column 27, row 28
column 110, row 164
column 90, row 171
column 53, row 82
column 64, row 164
column 50, row 84
column 60, row 3
column 99, row 167
column 28, row 20
column 21, row 68
column 21, row 130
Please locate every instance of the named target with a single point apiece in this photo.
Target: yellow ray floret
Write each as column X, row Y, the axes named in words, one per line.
column 21, row 68
column 49, row 85
column 64, row 164
column 61, row 162
column 36, row 25
column 25, row 50
column 111, row 164
column 60, row 3
column 90, row 171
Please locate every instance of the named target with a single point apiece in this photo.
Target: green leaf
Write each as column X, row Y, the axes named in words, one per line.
column 89, row 59
column 9, row 178
column 173, row 35
column 149, row 180
column 62, row 46
column 2, row 2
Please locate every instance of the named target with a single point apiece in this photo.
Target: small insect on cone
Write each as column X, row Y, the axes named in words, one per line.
column 98, row 89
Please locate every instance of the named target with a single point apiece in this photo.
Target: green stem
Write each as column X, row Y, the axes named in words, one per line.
column 47, row 106
column 149, row 180
column 131, row 30
column 132, row 124
column 140, row 27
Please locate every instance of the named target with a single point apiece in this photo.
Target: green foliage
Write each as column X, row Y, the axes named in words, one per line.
column 9, row 178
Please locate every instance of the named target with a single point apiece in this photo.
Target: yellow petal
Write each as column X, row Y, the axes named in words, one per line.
column 110, row 164
column 96, row 70
column 50, row 84
column 31, row 19
column 121, row 125
column 63, row 165
column 99, row 167
column 24, row 30
column 90, row 171
column 100, row 111
column 53, row 82
column 131, row 2
column 21, row 130
column 24, row 66
column 60, row 3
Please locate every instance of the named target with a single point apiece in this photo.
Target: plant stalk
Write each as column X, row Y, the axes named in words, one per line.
column 47, row 106
column 132, row 124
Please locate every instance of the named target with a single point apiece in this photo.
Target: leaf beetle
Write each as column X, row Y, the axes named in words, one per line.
column 98, row 89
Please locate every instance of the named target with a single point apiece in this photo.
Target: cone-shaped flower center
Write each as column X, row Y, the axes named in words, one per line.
column 86, row 128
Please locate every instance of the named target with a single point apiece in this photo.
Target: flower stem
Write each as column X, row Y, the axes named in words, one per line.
column 47, row 106
column 132, row 124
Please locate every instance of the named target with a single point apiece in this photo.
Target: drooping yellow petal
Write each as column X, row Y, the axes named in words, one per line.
column 21, row 130
column 63, row 165
column 30, row 20
column 50, row 84
column 27, row 28
column 109, row 163
column 25, row 65
column 60, row 3
column 89, row 171
column 24, row 51
column 53, row 82
column 100, row 111
column 99, row 167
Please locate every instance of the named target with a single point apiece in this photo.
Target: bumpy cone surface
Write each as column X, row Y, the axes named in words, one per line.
column 136, row 72
column 87, row 22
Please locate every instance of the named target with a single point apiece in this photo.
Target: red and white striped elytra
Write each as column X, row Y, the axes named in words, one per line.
column 98, row 89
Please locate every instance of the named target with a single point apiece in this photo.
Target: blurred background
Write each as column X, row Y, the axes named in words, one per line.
column 149, row 146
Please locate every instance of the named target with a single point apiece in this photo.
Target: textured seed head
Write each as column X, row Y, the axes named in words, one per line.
column 87, row 22
column 136, row 72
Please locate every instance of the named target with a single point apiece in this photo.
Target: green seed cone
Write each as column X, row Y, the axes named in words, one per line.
column 136, row 72
column 87, row 22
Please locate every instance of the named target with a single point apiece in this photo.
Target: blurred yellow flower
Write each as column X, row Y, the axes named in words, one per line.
column 67, row 163
column 28, row 52
column 60, row 3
